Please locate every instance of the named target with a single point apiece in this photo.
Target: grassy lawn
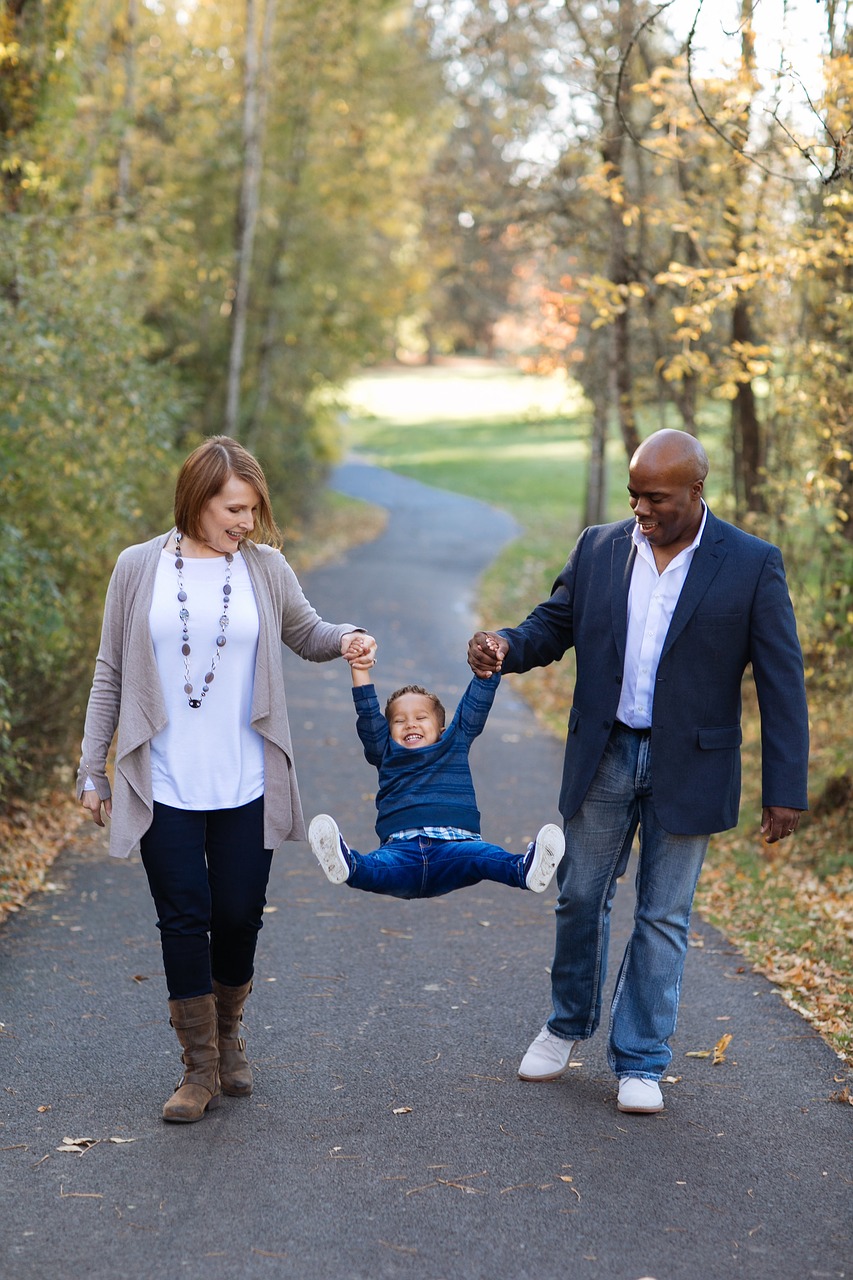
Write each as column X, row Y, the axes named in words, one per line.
column 518, row 442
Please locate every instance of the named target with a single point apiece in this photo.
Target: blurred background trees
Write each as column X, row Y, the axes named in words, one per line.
column 213, row 212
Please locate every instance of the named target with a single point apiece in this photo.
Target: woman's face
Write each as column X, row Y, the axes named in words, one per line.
column 229, row 516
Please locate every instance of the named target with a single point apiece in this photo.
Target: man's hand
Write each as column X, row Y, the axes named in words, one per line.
column 778, row 823
column 486, row 652
column 92, row 801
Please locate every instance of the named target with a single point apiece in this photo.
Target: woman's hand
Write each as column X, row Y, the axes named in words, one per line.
column 359, row 649
column 92, row 801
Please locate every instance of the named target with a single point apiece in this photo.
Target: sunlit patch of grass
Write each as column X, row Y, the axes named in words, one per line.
column 443, row 393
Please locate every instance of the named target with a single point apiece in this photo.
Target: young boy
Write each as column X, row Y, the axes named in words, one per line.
column 427, row 815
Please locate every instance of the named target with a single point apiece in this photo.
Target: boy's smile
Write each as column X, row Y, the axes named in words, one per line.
column 413, row 721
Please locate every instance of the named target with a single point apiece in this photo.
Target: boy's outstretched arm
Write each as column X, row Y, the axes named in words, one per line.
column 476, row 703
column 371, row 725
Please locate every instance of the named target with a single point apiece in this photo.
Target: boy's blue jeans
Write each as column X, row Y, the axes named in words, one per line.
column 425, row 868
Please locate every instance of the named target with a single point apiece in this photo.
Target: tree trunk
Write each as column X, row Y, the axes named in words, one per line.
column 595, row 506
column 618, row 270
column 254, row 79
column 129, row 107
column 748, row 446
column 271, row 319
column 747, row 438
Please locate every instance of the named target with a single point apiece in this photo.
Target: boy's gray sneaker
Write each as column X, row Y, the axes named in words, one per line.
column 547, row 850
column 329, row 848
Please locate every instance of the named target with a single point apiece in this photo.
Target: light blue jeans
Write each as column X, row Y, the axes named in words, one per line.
column 598, row 843
column 425, row 868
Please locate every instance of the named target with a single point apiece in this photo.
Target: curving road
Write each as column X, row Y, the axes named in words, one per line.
column 388, row 1135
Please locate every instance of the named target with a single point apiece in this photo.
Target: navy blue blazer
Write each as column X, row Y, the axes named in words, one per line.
column 734, row 610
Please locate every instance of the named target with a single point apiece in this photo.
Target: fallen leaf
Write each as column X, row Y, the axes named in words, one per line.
column 41, row 1110
column 564, row 1177
column 402, row 1111
column 698, row 1053
column 399, row 1248
column 77, row 1145
column 122, row 1139
column 720, row 1048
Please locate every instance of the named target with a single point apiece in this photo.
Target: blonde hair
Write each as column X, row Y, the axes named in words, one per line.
column 203, row 475
column 425, row 693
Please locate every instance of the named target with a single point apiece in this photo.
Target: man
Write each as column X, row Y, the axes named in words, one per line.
column 664, row 612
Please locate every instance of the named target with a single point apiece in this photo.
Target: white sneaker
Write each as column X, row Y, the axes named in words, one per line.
column 547, row 1057
column 547, row 849
column 329, row 848
column 637, row 1094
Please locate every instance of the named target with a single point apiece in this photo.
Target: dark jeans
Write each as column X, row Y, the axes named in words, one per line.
column 208, row 874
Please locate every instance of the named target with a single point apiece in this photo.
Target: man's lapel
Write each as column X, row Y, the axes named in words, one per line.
column 707, row 561
column 622, row 556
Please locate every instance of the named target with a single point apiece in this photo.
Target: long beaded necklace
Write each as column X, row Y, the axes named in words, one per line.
column 184, row 615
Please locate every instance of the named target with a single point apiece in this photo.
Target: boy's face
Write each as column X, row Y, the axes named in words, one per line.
column 414, row 721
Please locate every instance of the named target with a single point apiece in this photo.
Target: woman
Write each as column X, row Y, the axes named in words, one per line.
column 189, row 674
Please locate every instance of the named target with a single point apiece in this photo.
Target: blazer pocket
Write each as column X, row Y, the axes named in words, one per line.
column 574, row 720
column 719, row 738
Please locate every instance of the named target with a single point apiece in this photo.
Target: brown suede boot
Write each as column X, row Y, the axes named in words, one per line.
column 234, row 1070
column 194, row 1021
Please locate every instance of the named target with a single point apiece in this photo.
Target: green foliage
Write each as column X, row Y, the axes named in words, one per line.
column 122, row 146
column 86, row 430
column 37, row 677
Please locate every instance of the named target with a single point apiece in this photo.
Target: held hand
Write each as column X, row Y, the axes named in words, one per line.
column 486, row 652
column 359, row 649
column 92, row 801
column 777, row 823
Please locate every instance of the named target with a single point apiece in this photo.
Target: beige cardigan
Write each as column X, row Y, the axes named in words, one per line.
column 127, row 695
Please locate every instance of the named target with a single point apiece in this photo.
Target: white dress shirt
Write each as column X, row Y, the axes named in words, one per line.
column 652, row 598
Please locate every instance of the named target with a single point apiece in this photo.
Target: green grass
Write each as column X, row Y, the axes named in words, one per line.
column 518, row 442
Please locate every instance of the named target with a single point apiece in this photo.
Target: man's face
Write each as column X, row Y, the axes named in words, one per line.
column 666, row 501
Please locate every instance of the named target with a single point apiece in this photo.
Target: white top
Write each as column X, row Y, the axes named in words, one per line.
column 651, row 603
column 207, row 757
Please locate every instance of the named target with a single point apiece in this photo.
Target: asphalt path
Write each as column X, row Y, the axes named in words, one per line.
column 388, row 1135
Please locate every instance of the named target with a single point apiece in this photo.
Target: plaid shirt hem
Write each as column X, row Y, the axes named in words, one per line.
column 433, row 833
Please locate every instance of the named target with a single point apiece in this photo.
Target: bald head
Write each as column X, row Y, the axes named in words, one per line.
column 672, row 452
column 665, row 482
